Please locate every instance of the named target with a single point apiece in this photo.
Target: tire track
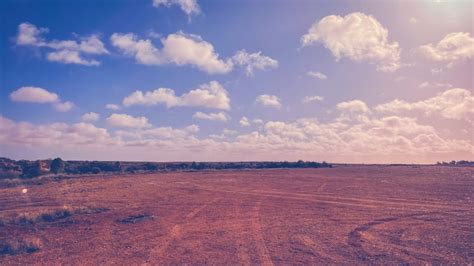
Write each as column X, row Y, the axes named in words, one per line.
column 262, row 250
column 318, row 249
column 177, row 231
column 355, row 239
column 239, row 229
column 346, row 201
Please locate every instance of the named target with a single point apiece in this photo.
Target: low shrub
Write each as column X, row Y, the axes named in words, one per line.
column 19, row 246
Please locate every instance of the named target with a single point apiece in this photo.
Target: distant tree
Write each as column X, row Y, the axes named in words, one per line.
column 58, row 166
column 194, row 165
column 31, row 169
column 118, row 166
column 300, row 163
column 151, row 167
column 95, row 170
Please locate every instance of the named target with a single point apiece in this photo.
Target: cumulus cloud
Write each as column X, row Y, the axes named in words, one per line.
column 391, row 138
column 210, row 95
column 357, row 36
column 220, row 117
column 316, row 75
column 308, row 99
column 268, row 100
column 224, row 134
column 190, row 7
column 56, row 134
column 375, row 138
column 124, row 120
column 179, row 48
column 244, row 122
column 453, row 48
column 112, row 106
column 39, row 95
column 354, row 106
column 454, row 103
column 63, row 106
column 90, row 117
column 253, row 61
column 62, row 51
column 70, row 57
column 33, row 95
column 29, row 34
column 187, row 49
column 139, row 137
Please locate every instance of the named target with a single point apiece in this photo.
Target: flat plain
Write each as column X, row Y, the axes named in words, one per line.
column 352, row 214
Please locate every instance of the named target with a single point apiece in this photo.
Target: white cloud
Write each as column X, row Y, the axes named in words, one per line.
column 257, row 121
column 124, row 120
column 413, row 20
column 142, row 136
column 244, row 122
column 210, row 95
column 143, row 50
column 161, row 95
column 354, row 106
column 39, row 95
column 70, row 57
column 224, row 134
column 29, row 34
column 317, row 75
column 179, row 48
column 65, row 51
column 63, row 106
column 190, row 7
column 90, row 117
column 33, row 95
column 268, row 100
column 187, row 49
column 371, row 139
column 53, row 135
column 453, row 48
column 221, row 116
column 111, row 106
column 253, row 61
column 454, row 103
column 357, row 36
column 427, row 84
column 308, row 99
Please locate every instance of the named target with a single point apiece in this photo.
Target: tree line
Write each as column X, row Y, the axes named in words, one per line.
column 27, row 169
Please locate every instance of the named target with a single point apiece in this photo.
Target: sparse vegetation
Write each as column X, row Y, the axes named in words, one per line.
column 15, row 246
column 458, row 163
column 46, row 215
column 136, row 218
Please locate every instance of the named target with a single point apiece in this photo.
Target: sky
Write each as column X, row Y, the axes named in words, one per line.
column 194, row 80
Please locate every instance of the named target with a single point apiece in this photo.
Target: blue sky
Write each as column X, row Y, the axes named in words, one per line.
column 427, row 44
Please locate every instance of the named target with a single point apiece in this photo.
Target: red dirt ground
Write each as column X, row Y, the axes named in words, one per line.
column 343, row 215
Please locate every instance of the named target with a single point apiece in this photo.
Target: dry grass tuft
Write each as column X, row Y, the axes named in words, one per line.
column 47, row 215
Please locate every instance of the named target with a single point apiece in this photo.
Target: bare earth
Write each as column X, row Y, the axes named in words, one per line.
column 344, row 215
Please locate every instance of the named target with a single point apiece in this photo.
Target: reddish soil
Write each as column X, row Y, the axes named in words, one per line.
column 343, row 215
